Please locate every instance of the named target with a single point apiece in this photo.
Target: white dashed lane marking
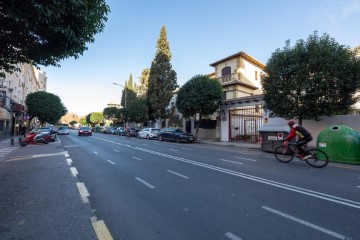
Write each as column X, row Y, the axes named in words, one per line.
column 178, row 174
column 225, row 160
column 145, row 183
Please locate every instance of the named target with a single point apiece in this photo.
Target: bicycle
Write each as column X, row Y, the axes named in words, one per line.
column 317, row 158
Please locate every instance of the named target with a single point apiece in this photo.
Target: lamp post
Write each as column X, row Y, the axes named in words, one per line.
column 124, row 91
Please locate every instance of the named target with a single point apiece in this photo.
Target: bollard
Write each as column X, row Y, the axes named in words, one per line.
column 12, row 141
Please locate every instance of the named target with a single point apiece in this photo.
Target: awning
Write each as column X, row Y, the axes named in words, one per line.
column 4, row 114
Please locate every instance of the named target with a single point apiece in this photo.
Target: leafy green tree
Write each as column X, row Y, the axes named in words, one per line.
column 201, row 96
column 82, row 121
column 162, row 79
column 314, row 78
column 72, row 123
column 88, row 121
column 111, row 113
column 128, row 93
column 47, row 107
column 42, row 33
column 137, row 111
column 144, row 80
column 96, row 118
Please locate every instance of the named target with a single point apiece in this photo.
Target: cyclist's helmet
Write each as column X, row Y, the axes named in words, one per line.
column 291, row 123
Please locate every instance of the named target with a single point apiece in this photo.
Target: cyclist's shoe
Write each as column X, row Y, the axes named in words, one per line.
column 307, row 157
column 301, row 156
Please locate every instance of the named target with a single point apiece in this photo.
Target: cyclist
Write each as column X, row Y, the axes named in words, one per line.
column 303, row 138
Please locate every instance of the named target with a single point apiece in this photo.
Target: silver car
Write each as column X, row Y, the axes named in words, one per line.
column 63, row 130
column 149, row 133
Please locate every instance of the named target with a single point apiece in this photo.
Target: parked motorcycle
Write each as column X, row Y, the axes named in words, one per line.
column 34, row 138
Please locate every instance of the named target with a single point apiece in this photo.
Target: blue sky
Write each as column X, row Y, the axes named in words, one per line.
column 199, row 32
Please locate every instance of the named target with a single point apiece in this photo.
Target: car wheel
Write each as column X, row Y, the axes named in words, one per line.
column 160, row 138
column 177, row 140
column 147, row 137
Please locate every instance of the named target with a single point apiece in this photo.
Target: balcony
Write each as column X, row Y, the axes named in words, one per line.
column 234, row 78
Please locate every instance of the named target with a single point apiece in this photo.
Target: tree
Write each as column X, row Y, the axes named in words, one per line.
column 314, row 78
column 82, row 121
column 137, row 111
column 46, row 33
column 96, row 118
column 47, row 107
column 111, row 113
column 72, row 123
column 144, row 80
column 201, row 96
column 162, row 79
column 129, row 92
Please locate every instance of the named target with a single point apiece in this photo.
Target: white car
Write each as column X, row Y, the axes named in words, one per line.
column 149, row 133
column 63, row 130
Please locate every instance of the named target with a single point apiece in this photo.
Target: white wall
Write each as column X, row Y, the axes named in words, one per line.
column 315, row 127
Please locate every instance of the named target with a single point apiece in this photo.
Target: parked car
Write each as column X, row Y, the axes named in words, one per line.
column 149, row 133
column 84, row 131
column 133, row 132
column 177, row 135
column 63, row 130
column 47, row 130
column 119, row 131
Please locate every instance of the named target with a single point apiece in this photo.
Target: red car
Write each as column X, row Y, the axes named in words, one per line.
column 84, row 131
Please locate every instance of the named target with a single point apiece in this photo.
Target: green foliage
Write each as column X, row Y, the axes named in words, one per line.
column 72, row 123
column 47, row 107
column 128, row 95
column 87, row 118
column 162, row 80
column 82, row 121
column 46, row 33
column 314, row 78
column 201, row 96
column 96, row 118
column 137, row 111
column 111, row 113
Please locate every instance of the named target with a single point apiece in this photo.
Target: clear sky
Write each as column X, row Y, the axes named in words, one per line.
column 199, row 32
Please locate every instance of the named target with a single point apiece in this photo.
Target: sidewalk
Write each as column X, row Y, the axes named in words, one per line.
column 38, row 195
column 232, row 144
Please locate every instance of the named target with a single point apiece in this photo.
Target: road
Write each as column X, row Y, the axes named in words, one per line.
column 147, row 189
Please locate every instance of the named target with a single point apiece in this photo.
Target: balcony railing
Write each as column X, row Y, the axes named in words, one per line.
column 229, row 78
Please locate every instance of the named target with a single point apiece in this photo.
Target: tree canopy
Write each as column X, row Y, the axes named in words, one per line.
column 96, row 118
column 111, row 113
column 201, row 96
column 47, row 107
column 314, row 78
column 45, row 33
column 162, row 79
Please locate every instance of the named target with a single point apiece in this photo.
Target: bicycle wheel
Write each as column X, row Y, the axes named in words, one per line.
column 317, row 158
column 283, row 155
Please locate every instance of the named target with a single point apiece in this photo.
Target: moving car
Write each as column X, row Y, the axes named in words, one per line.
column 63, row 130
column 149, row 133
column 84, row 131
column 177, row 135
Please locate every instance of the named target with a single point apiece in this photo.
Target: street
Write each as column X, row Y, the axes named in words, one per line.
column 147, row 189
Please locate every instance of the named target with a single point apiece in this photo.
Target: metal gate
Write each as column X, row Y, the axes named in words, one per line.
column 245, row 122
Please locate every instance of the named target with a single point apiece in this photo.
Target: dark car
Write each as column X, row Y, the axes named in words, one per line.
column 84, row 131
column 177, row 135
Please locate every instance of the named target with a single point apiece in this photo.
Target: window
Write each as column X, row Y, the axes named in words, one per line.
column 1, row 125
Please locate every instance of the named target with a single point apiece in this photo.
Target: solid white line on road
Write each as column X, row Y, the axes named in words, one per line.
column 139, row 159
column 67, row 155
column 358, row 186
column 70, row 146
column 69, row 161
column 232, row 236
column 35, row 156
column 178, row 174
column 74, row 171
column 248, row 159
column 225, row 160
column 187, row 149
column 111, row 162
column 145, row 183
column 174, row 150
column 116, row 150
column 331, row 233
column 83, row 192
column 95, row 152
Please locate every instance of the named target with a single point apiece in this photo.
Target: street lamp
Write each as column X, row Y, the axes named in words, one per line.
column 124, row 91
